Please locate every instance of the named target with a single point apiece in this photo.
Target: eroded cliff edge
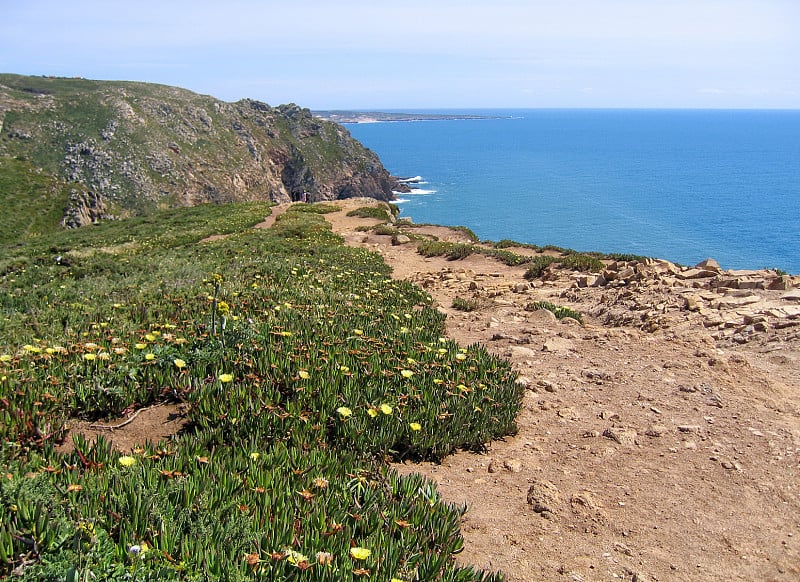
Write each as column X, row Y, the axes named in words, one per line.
column 116, row 149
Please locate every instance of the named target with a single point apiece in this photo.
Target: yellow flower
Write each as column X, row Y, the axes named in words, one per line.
column 89, row 357
column 226, row 377
column 104, row 356
column 360, row 553
column 254, row 456
column 386, row 409
column 32, row 349
column 303, row 374
column 140, row 346
column 6, row 358
column 373, row 412
column 180, row 364
column 295, row 558
column 415, row 426
column 149, row 357
column 344, row 411
column 344, row 369
column 397, row 580
column 460, row 356
column 127, row 461
column 223, row 308
column 406, row 373
column 150, row 337
column 358, row 332
column 438, row 381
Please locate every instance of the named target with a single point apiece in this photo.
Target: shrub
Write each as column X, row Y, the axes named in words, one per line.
column 462, row 304
column 538, row 266
column 559, row 311
column 582, row 262
column 378, row 212
column 314, row 208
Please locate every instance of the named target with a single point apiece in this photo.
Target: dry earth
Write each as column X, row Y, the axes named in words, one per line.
column 658, row 441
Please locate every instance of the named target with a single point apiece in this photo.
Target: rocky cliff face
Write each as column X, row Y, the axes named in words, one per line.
column 122, row 149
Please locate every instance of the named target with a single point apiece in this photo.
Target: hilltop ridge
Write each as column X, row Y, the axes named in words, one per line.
column 108, row 149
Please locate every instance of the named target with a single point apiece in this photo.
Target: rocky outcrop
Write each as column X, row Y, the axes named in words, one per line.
column 130, row 148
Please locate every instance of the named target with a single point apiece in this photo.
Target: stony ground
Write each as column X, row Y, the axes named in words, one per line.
column 660, row 440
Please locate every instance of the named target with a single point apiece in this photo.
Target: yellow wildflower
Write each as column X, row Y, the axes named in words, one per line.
column 360, row 553
column 386, row 409
column 127, row 461
column 89, row 357
column 150, row 337
column 303, row 374
column 406, row 373
column 358, row 332
column 344, row 411
column 373, row 412
column 226, row 377
column 5, row 358
column 295, row 558
column 461, row 356
column 415, row 426
column 254, row 456
column 148, row 357
column 180, row 364
column 140, row 346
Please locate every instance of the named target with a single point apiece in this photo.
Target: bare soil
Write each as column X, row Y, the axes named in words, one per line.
column 667, row 454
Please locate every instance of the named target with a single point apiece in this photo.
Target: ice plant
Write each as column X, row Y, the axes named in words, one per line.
column 180, row 364
column 386, row 409
column 224, row 378
column 344, row 412
column 406, row 373
column 415, row 426
column 127, row 461
column 360, row 553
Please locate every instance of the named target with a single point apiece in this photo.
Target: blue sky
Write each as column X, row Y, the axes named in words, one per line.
column 370, row 54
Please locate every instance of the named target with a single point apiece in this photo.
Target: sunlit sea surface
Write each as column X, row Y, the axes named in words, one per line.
column 682, row 185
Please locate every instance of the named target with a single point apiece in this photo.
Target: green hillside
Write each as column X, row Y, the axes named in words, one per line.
column 303, row 367
column 75, row 151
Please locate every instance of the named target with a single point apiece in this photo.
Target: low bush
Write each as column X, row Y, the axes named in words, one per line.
column 559, row 311
column 538, row 266
column 462, row 304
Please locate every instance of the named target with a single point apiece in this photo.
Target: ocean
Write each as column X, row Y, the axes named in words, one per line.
column 682, row 185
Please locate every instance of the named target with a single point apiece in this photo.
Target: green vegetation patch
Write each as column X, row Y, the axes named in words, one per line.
column 380, row 212
column 304, row 368
column 559, row 311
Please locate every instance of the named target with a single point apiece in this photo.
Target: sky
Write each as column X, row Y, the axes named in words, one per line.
column 423, row 54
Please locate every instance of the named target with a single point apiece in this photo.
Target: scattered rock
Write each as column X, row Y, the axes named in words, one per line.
column 623, row 436
column 544, row 498
column 656, row 430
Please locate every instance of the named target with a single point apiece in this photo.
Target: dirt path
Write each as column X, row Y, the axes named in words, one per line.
column 640, row 456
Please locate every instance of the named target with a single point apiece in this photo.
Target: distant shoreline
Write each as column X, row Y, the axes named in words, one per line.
column 380, row 116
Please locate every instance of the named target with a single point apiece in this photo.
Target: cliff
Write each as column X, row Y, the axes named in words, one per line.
column 103, row 149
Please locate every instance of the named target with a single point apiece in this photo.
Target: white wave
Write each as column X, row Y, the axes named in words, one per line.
column 414, row 180
column 421, row 191
column 399, row 200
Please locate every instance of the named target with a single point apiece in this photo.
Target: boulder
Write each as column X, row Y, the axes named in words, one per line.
column 709, row 265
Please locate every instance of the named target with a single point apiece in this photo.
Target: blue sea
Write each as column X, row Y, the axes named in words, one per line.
column 682, row 185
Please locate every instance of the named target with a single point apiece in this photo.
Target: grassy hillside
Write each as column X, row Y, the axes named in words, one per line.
column 304, row 368
column 116, row 149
